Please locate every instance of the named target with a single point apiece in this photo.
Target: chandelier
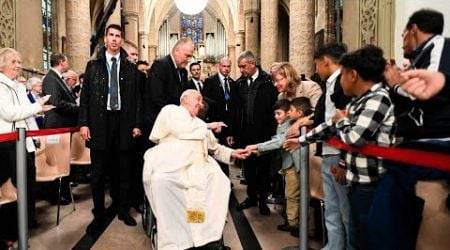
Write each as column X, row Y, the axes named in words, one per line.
column 191, row 7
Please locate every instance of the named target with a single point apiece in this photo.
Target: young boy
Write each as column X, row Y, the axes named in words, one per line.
column 285, row 114
column 369, row 118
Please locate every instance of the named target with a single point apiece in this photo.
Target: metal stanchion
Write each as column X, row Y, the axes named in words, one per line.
column 304, row 197
column 22, row 211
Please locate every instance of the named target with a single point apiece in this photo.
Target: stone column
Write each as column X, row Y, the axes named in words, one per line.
column 251, row 31
column 78, row 31
column 301, row 36
column 130, row 13
column 143, row 45
column 152, row 53
column 269, row 33
column 240, row 46
column 232, row 57
column 115, row 16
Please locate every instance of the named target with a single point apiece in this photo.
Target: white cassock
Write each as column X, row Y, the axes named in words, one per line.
column 187, row 190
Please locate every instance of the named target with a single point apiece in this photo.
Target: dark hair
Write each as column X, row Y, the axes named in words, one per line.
column 368, row 61
column 282, row 104
column 193, row 64
column 332, row 50
column 57, row 58
column 303, row 104
column 81, row 76
column 114, row 26
column 141, row 62
column 427, row 20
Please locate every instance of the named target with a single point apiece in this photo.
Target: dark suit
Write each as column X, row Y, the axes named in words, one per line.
column 111, row 140
column 164, row 87
column 65, row 113
column 220, row 109
column 253, row 123
column 191, row 85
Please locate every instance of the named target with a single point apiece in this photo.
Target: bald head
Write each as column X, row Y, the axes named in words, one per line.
column 71, row 77
column 182, row 52
column 132, row 51
column 225, row 66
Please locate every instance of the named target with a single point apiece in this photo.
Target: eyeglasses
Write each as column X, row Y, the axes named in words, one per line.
column 279, row 79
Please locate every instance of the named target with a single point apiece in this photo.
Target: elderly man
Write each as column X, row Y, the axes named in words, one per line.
column 165, row 80
column 187, row 190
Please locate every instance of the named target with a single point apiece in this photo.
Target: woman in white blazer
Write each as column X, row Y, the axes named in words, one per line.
column 15, row 109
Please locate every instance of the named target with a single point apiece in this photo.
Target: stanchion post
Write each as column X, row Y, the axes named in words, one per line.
column 304, row 194
column 22, row 211
column 304, row 197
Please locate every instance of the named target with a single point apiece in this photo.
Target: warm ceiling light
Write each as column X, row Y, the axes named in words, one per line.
column 191, row 7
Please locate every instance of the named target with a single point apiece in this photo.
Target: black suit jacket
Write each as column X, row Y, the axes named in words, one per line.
column 164, row 87
column 93, row 101
column 191, row 85
column 213, row 90
column 264, row 125
column 338, row 98
column 65, row 113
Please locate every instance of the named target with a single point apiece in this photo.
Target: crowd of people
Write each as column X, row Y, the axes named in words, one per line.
column 359, row 96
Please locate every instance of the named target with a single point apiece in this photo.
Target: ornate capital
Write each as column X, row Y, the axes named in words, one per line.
column 368, row 16
column 7, row 23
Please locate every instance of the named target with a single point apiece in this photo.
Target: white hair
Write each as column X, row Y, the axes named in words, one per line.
column 187, row 93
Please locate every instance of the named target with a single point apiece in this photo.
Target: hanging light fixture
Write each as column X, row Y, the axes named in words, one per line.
column 191, row 7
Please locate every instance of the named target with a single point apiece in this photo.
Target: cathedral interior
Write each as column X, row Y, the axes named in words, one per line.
column 274, row 30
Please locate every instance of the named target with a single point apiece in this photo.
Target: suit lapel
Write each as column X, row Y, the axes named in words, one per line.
column 63, row 85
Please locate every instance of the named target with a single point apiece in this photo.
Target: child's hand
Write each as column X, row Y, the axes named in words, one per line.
column 293, row 130
column 339, row 174
column 252, row 148
column 340, row 114
column 291, row 144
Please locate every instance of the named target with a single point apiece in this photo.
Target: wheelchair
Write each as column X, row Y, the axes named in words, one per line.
column 149, row 223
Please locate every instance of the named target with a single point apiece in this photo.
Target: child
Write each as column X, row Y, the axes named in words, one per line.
column 285, row 114
column 368, row 119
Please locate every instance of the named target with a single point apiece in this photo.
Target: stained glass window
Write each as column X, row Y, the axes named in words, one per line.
column 192, row 26
column 47, row 32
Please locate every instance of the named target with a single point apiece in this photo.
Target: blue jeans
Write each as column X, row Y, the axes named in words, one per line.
column 337, row 207
column 396, row 213
column 360, row 197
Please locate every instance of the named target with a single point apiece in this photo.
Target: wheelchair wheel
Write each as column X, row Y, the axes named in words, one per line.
column 149, row 223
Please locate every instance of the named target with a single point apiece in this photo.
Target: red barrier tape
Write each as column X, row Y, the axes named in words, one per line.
column 49, row 131
column 409, row 156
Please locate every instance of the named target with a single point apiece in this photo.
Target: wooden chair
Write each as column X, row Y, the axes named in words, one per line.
column 53, row 162
column 8, row 192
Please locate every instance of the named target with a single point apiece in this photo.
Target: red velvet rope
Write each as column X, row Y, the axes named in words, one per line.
column 409, row 156
column 49, row 131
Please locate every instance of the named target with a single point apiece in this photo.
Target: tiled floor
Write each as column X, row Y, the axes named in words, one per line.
column 119, row 236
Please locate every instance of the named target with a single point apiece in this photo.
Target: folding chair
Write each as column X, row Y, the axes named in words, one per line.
column 53, row 162
column 316, row 188
column 79, row 153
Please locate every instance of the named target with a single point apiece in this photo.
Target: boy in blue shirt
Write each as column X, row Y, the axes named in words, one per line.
column 287, row 113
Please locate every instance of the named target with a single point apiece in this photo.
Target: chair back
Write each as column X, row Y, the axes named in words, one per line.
column 53, row 157
column 79, row 153
column 8, row 192
column 315, row 174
